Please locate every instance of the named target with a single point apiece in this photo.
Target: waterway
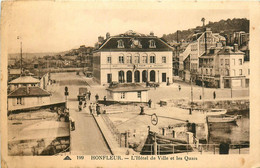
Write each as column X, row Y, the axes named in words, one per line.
column 234, row 133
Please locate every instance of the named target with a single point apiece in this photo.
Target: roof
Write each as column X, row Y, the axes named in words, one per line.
column 127, row 38
column 229, row 50
column 24, row 79
column 32, row 92
column 127, row 87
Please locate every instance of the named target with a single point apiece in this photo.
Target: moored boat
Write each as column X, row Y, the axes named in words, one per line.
column 214, row 112
column 222, row 119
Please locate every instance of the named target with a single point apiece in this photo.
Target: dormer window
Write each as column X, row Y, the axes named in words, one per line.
column 120, row 44
column 152, row 44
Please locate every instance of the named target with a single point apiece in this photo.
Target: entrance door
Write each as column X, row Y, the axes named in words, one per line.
column 121, row 76
column 137, row 76
column 129, row 76
column 152, row 76
column 109, row 78
column 163, row 77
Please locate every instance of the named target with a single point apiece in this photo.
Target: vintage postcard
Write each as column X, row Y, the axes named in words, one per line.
column 130, row 84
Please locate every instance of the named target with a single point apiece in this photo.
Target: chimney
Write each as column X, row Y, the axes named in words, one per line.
column 100, row 39
column 107, row 35
column 235, row 48
column 151, row 33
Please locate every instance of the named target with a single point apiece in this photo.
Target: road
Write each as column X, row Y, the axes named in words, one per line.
column 87, row 138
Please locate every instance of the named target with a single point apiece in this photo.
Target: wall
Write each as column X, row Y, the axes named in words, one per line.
column 28, row 102
column 130, row 96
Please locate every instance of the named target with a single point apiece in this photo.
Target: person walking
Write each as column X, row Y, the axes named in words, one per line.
column 179, row 87
column 141, row 110
column 93, row 108
column 149, row 103
column 214, row 95
column 90, row 108
column 97, row 97
column 89, row 94
column 98, row 109
column 105, row 100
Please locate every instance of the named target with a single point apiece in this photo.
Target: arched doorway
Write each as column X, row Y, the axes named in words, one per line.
column 152, row 76
column 144, row 76
column 129, row 76
column 137, row 76
column 121, row 76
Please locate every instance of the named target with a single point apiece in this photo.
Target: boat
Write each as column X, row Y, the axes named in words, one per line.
column 215, row 112
column 222, row 119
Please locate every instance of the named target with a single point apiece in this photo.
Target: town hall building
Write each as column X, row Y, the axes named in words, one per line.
column 132, row 58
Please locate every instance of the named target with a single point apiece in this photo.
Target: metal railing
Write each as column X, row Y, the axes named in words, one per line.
column 163, row 149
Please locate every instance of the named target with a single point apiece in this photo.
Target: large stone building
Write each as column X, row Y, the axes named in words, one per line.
column 199, row 44
column 224, row 68
column 132, row 58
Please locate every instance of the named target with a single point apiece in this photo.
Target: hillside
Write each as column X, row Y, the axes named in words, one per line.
column 223, row 26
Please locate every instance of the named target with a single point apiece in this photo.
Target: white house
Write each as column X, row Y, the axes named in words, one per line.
column 125, row 92
column 26, row 97
column 132, row 58
column 23, row 81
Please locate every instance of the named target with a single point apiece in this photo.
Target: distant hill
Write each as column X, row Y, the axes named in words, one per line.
column 223, row 26
column 30, row 55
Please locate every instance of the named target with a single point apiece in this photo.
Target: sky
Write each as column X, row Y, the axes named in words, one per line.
column 56, row 27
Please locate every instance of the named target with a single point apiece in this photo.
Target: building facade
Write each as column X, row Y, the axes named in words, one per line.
column 133, row 58
column 223, row 68
column 199, row 44
column 26, row 97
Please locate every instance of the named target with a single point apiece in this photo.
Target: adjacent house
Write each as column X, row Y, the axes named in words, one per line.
column 28, row 96
column 223, row 68
column 132, row 58
column 128, row 92
column 23, row 81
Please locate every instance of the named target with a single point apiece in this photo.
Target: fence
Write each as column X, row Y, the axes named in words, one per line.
column 163, row 149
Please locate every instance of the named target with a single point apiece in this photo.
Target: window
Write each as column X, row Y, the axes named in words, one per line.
column 19, row 101
column 227, row 72
column 234, row 61
column 152, row 44
column 240, row 61
column 123, row 95
column 234, row 72
column 240, row 71
column 144, row 59
column 139, row 94
column 163, row 59
column 226, row 61
column 121, row 59
column 137, row 59
column 120, row 44
column 221, row 62
column 206, row 71
column 210, row 71
column 109, row 60
column 152, row 59
column 129, row 59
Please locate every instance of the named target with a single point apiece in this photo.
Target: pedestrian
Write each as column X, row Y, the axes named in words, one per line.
column 214, row 95
column 80, row 105
column 85, row 104
column 98, row 109
column 149, row 103
column 97, row 97
column 141, row 110
column 200, row 97
column 179, row 87
column 72, row 123
column 89, row 94
column 93, row 108
column 105, row 100
column 90, row 108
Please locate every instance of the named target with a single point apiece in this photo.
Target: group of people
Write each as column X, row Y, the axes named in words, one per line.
column 94, row 108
